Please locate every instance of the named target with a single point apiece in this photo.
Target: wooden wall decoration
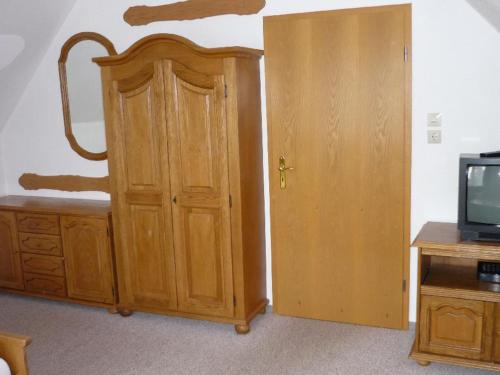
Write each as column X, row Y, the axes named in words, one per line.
column 190, row 10
column 31, row 181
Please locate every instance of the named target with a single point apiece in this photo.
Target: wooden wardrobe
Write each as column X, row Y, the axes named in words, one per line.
column 183, row 127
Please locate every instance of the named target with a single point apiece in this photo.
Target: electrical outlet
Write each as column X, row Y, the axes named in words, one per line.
column 434, row 136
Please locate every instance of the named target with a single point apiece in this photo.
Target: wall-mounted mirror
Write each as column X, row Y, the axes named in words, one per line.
column 81, row 93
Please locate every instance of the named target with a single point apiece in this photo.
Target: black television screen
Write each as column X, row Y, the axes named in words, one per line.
column 479, row 197
column 483, row 194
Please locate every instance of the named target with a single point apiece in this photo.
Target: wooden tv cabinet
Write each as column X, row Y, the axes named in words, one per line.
column 458, row 316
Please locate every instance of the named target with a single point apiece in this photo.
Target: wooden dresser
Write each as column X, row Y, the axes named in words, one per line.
column 58, row 249
column 458, row 316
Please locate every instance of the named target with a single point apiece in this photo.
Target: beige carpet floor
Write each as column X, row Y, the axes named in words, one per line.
column 77, row 340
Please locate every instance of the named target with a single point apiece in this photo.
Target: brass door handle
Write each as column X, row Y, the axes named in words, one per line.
column 283, row 168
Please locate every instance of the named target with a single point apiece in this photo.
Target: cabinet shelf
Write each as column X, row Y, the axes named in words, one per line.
column 459, row 282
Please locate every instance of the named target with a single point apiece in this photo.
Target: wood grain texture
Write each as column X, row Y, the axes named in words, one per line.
column 13, row 350
column 81, row 262
column 190, row 10
column 140, row 189
column 458, row 316
column 38, row 223
column 10, row 265
column 88, row 259
column 219, row 271
column 43, row 265
column 456, row 327
column 425, row 359
column 44, row 284
column 68, row 129
column 197, row 137
column 42, row 244
column 31, row 181
column 338, row 111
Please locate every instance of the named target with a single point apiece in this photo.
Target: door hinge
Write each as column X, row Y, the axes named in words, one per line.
column 406, row 54
column 225, row 91
column 234, row 300
column 404, row 285
column 230, row 201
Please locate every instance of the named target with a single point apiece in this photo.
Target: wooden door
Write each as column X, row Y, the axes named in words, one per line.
column 338, row 92
column 10, row 259
column 456, row 327
column 200, row 191
column 88, row 259
column 139, row 173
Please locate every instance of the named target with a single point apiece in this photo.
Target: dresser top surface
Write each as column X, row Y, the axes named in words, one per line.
column 446, row 237
column 55, row 205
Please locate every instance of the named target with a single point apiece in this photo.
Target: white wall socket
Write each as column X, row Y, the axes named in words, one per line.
column 434, row 137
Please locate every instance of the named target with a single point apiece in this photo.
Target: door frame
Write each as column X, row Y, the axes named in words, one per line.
column 406, row 10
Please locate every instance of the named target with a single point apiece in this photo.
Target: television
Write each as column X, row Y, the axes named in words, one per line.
column 479, row 197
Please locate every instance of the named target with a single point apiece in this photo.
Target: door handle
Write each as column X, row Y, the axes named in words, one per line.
column 283, row 168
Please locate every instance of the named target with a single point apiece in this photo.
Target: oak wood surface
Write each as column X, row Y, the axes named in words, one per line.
column 190, row 10
column 31, row 181
column 38, row 223
column 456, row 327
column 458, row 316
column 13, row 351
column 47, row 205
column 43, row 244
column 197, row 138
column 77, row 267
column 10, row 265
column 167, row 97
column 88, row 259
column 43, row 264
column 68, row 129
column 339, row 112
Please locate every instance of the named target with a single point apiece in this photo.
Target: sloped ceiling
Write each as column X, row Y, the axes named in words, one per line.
column 489, row 9
column 26, row 29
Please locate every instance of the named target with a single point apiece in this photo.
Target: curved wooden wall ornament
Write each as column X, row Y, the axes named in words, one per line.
column 190, row 10
column 106, row 43
column 31, row 181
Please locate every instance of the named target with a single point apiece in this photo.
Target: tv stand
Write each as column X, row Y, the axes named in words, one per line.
column 458, row 316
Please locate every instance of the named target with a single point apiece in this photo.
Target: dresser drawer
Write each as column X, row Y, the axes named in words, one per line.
column 44, row 284
column 36, row 223
column 40, row 244
column 43, row 264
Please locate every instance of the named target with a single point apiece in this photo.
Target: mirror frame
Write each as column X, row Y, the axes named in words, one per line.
column 68, row 129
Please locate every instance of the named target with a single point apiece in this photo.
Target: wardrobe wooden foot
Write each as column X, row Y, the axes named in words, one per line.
column 424, row 363
column 263, row 310
column 125, row 313
column 113, row 310
column 242, row 329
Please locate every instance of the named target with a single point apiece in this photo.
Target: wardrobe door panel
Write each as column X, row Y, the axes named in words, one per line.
column 141, row 145
column 196, row 138
column 199, row 183
column 142, row 196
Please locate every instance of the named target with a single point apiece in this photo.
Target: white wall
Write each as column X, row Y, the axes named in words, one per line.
column 456, row 72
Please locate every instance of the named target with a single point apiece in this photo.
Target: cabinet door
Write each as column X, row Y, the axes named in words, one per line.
column 456, row 327
column 200, row 190
column 138, row 162
column 88, row 259
column 10, row 259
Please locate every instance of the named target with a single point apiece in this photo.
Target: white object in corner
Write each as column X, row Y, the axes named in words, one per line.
column 4, row 368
